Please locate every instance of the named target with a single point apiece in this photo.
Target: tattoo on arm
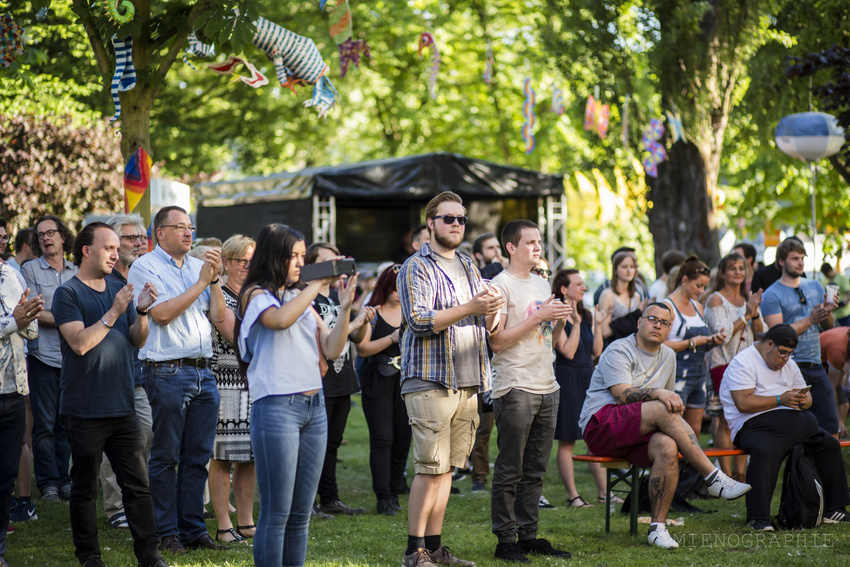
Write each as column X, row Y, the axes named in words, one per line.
column 632, row 395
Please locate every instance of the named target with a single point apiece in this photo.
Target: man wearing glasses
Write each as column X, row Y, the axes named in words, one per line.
column 133, row 243
column 50, row 447
column 802, row 303
column 632, row 412
column 762, row 395
column 180, row 386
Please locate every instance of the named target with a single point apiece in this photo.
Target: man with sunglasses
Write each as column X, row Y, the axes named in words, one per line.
column 447, row 313
column 802, row 303
column 632, row 412
column 762, row 398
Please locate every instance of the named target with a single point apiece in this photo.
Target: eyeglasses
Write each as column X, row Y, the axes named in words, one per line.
column 179, row 227
column 801, row 295
column 4, row 238
column 784, row 355
column 653, row 320
column 541, row 272
column 450, row 219
column 134, row 237
column 242, row 262
column 46, row 233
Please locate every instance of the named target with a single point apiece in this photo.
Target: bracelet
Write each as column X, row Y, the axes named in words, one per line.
column 215, row 281
column 141, row 312
column 778, row 401
column 754, row 317
column 108, row 326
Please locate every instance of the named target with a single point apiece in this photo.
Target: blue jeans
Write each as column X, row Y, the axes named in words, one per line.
column 823, row 400
column 289, row 436
column 184, row 404
column 51, row 451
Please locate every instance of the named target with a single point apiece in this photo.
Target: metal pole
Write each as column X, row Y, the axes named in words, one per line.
column 813, row 169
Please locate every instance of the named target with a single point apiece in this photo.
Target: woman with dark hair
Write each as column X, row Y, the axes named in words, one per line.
column 575, row 351
column 383, row 406
column 733, row 310
column 340, row 380
column 280, row 342
column 690, row 338
column 623, row 298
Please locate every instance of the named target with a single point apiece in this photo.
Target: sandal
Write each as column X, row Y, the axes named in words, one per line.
column 614, row 499
column 237, row 537
column 579, row 502
column 246, row 536
column 119, row 520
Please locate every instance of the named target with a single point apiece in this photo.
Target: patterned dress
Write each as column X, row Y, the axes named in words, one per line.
column 233, row 432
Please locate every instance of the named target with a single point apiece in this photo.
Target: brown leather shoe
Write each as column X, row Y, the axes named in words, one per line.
column 205, row 542
column 170, row 544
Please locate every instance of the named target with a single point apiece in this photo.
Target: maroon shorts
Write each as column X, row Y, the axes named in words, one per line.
column 614, row 431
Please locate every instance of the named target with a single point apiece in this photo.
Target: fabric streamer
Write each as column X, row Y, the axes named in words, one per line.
column 11, row 40
column 530, row 116
column 297, row 61
column 197, row 48
column 111, row 9
column 137, row 177
column 255, row 80
column 124, row 78
column 427, row 40
column 649, row 142
column 350, row 50
column 625, row 117
column 489, row 64
column 596, row 117
column 590, row 113
column 558, row 101
column 676, row 129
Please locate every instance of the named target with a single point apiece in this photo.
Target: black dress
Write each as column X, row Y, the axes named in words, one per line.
column 574, row 378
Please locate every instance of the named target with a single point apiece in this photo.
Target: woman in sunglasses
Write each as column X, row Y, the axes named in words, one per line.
column 690, row 338
column 383, row 406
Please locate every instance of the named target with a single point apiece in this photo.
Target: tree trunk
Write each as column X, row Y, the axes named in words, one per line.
column 681, row 207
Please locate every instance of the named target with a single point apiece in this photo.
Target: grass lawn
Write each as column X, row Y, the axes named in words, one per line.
column 719, row 538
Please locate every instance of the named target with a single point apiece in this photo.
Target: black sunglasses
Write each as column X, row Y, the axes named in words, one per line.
column 801, row 295
column 450, row 219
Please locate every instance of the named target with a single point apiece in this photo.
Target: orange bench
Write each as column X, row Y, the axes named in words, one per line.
column 620, row 471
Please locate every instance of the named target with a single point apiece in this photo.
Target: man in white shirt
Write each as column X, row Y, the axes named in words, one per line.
column 763, row 401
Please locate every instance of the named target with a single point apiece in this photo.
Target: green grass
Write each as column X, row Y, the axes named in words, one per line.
column 719, row 538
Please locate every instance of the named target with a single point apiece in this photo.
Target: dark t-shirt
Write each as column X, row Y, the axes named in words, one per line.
column 765, row 277
column 100, row 383
column 340, row 380
column 138, row 365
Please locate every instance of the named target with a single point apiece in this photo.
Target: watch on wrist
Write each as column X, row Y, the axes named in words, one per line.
column 108, row 326
column 141, row 312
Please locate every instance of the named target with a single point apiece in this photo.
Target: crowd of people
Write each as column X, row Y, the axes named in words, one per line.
column 159, row 373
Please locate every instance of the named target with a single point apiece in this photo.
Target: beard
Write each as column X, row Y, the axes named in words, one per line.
column 448, row 242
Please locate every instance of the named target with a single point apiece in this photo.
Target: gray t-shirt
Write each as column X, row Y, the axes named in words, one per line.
column 624, row 363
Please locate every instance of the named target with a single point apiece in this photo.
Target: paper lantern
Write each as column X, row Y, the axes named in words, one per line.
column 809, row 136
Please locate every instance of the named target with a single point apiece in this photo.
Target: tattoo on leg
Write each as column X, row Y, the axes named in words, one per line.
column 656, row 493
column 693, row 438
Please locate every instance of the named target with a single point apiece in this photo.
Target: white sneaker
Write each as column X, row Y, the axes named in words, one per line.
column 662, row 539
column 721, row 486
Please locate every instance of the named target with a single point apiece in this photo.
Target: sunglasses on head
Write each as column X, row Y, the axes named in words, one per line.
column 450, row 219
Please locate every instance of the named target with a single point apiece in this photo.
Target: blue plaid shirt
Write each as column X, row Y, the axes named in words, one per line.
column 423, row 289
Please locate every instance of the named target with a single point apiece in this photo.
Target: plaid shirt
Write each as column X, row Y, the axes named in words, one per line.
column 424, row 289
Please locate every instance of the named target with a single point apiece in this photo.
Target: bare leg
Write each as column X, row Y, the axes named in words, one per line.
column 722, row 440
column 694, row 419
column 219, row 482
column 664, row 475
column 655, row 417
column 244, row 481
column 25, row 466
column 565, row 467
column 429, row 495
column 598, row 477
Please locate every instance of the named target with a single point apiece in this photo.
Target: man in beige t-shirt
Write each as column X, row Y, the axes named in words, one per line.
column 525, row 395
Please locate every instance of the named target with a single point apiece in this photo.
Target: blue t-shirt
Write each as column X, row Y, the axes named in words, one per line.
column 100, row 383
column 779, row 298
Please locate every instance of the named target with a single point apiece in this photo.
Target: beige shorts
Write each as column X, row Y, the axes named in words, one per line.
column 443, row 423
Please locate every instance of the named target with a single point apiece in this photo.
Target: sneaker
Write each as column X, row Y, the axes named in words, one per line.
column 50, row 494
column 459, row 475
column 444, row 556
column 23, row 512
column 761, row 526
column 65, row 491
column 662, row 539
column 419, row 558
column 479, row 486
column 319, row 515
column 542, row 546
column 119, row 521
column 338, row 507
column 544, row 504
column 511, row 551
column 10, row 529
column 836, row 516
column 721, row 486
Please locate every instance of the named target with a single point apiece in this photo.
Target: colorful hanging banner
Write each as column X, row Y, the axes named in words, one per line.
column 11, row 40
column 677, row 132
column 558, row 101
column 625, row 116
column 596, row 116
column 137, row 177
column 341, row 28
column 530, row 116
column 650, row 143
column 427, row 40
column 489, row 64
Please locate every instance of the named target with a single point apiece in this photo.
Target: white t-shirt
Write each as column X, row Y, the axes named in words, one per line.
column 527, row 364
column 658, row 290
column 749, row 370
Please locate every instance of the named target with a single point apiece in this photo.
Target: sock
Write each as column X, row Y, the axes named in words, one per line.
column 712, row 475
column 414, row 543
column 658, row 526
column 25, row 499
column 432, row 542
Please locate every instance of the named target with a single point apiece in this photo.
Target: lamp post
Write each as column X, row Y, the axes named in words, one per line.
column 810, row 136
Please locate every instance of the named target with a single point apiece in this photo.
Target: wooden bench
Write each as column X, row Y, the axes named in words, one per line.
column 620, row 471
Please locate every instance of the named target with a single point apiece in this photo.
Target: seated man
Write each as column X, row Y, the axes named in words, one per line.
column 761, row 400
column 632, row 412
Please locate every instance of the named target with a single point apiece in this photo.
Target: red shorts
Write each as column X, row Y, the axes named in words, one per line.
column 614, row 431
